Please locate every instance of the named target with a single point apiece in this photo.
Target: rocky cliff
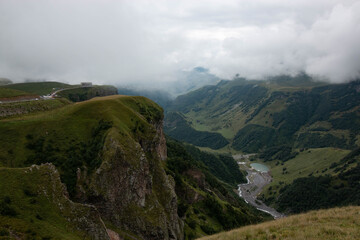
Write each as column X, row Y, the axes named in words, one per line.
column 130, row 188
column 34, row 204
column 111, row 154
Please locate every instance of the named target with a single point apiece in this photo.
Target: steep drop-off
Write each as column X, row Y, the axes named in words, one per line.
column 110, row 153
column 34, row 204
column 207, row 204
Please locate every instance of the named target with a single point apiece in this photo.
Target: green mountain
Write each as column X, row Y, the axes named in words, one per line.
column 176, row 126
column 38, row 88
column 24, row 98
column 255, row 116
column 9, row 93
column 337, row 185
column 300, row 128
column 204, row 184
column 103, row 167
column 94, row 143
column 74, row 93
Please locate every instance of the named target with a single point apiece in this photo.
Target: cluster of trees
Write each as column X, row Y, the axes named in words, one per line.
column 305, row 108
column 6, row 209
column 282, row 153
column 327, row 191
column 86, row 93
column 180, row 129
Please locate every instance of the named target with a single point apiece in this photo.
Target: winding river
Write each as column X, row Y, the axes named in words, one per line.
column 257, row 178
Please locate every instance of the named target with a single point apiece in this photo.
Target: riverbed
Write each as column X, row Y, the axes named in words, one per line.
column 258, row 177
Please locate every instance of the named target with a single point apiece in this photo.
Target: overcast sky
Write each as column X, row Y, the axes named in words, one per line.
column 138, row 41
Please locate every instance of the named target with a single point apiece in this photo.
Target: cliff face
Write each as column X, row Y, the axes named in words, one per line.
column 131, row 189
column 111, row 154
column 38, row 207
column 84, row 218
column 21, row 108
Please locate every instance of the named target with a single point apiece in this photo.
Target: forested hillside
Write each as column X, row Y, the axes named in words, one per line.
column 307, row 132
column 204, row 184
column 255, row 116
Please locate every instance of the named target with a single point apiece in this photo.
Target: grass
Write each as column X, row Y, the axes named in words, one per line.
column 71, row 123
column 10, row 93
column 20, row 108
column 337, row 223
column 38, row 88
column 39, row 210
column 222, row 115
column 227, row 123
column 313, row 161
column 131, row 121
column 225, row 150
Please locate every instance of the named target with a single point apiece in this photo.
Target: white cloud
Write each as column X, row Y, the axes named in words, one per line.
column 108, row 41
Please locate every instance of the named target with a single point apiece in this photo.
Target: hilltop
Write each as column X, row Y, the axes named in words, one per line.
column 74, row 93
column 33, row 97
column 336, row 223
column 37, row 88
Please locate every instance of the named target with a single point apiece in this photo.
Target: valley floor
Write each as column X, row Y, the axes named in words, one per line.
column 336, row 223
column 250, row 190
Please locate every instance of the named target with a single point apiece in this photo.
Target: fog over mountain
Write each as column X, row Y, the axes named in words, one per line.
column 151, row 42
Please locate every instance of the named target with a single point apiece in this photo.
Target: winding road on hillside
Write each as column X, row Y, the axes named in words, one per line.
column 249, row 191
column 50, row 96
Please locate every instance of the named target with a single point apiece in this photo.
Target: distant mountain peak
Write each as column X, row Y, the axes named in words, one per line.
column 201, row 69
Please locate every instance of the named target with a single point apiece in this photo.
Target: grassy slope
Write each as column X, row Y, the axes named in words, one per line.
column 292, row 106
column 73, row 125
column 336, row 223
column 313, row 162
column 38, row 210
column 39, row 88
column 323, row 118
column 67, row 124
column 20, row 108
column 226, row 116
column 184, row 132
column 9, row 93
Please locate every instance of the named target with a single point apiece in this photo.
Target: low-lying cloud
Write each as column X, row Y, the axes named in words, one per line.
column 148, row 42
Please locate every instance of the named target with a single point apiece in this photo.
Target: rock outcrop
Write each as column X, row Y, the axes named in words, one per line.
column 81, row 218
column 111, row 155
column 131, row 189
